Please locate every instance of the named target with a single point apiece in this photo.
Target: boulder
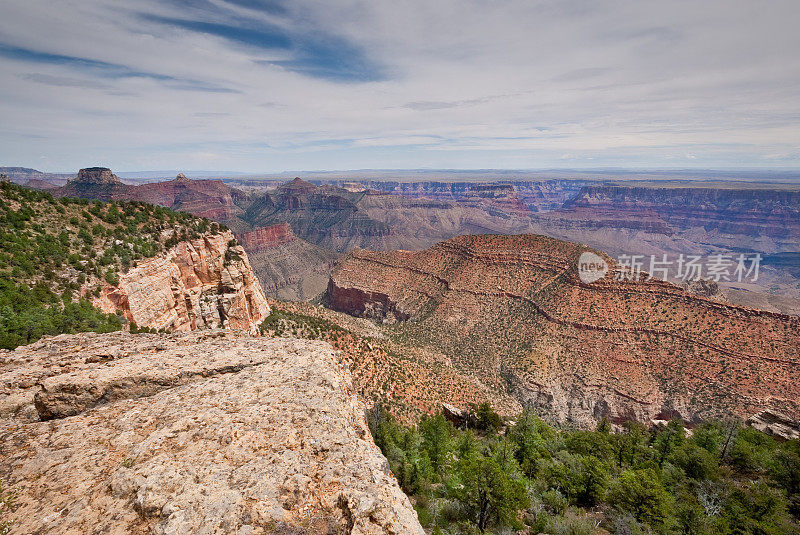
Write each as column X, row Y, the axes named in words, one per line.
column 775, row 424
column 455, row 415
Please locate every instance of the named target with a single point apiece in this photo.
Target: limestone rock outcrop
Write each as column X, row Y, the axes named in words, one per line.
column 707, row 288
column 202, row 283
column 191, row 433
column 775, row 424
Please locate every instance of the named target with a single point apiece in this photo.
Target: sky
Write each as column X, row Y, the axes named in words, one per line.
column 274, row 85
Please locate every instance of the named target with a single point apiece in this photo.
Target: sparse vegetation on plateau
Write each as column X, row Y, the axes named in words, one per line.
column 288, row 323
column 7, row 499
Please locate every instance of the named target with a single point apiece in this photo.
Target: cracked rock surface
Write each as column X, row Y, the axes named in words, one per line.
column 202, row 432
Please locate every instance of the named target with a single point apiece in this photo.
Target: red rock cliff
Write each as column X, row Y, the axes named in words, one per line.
column 201, row 283
column 267, row 237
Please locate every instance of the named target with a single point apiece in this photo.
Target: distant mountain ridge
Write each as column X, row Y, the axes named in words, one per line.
column 334, row 217
column 25, row 175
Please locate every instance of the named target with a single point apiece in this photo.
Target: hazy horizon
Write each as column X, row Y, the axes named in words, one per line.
column 741, row 174
column 266, row 86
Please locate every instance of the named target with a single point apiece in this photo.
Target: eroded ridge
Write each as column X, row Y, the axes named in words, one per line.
column 513, row 307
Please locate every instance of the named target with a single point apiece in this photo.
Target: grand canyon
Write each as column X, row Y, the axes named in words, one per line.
column 296, row 230
column 426, row 296
column 395, row 268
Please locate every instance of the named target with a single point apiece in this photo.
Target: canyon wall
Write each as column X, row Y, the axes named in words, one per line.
column 288, row 267
column 766, row 220
column 202, row 283
column 512, row 311
column 534, row 195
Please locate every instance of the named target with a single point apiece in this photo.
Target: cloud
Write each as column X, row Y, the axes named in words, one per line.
column 62, row 81
column 269, row 6
column 270, row 85
column 99, row 69
column 265, row 36
column 428, row 105
column 311, row 51
column 581, row 74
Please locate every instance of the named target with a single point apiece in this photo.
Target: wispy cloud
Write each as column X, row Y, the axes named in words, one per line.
column 99, row 69
column 268, row 85
column 63, row 81
column 428, row 105
column 308, row 49
column 264, row 36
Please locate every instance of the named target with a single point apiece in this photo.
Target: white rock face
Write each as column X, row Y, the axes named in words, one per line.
column 202, row 432
column 201, row 283
column 775, row 424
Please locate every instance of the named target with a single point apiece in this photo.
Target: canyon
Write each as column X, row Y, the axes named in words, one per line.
column 682, row 219
column 250, row 416
column 325, row 220
column 331, row 217
column 287, row 266
column 763, row 220
column 512, row 311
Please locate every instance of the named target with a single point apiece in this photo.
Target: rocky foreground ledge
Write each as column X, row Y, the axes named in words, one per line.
column 203, row 432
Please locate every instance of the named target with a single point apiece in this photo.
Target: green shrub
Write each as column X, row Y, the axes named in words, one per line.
column 570, row 524
column 112, row 277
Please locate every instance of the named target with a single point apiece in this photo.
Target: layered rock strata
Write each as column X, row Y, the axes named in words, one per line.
column 202, row 283
column 202, row 432
column 288, row 267
column 512, row 311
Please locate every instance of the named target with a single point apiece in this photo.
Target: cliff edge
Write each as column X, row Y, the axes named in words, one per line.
column 201, row 432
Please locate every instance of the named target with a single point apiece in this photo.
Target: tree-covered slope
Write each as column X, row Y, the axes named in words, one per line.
column 529, row 477
column 56, row 253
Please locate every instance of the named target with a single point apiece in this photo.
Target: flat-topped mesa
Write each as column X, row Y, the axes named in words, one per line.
column 201, row 283
column 97, row 183
column 202, row 432
column 97, row 175
column 512, row 310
